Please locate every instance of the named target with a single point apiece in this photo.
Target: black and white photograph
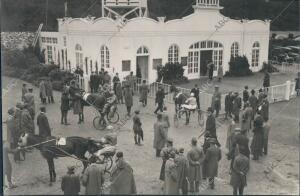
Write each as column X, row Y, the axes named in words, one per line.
column 150, row 97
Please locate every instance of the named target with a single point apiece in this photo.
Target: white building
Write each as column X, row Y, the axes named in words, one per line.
column 119, row 45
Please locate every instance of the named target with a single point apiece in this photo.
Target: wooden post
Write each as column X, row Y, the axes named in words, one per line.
column 288, row 90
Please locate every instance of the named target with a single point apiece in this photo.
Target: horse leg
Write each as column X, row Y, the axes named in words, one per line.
column 85, row 164
column 50, row 169
column 53, row 170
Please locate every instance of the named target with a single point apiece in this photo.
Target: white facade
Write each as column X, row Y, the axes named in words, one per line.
column 147, row 42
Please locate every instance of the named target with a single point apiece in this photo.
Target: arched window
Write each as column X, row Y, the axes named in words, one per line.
column 142, row 51
column 255, row 54
column 235, row 49
column 104, row 56
column 173, row 54
column 79, row 56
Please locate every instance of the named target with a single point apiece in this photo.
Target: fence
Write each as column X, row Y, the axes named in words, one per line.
column 286, row 67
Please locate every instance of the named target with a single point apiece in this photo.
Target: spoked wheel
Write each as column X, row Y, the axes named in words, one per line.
column 113, row 118
column 99, row 123
column 200, row 118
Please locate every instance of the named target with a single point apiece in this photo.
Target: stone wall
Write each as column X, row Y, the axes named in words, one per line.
column 16, row 40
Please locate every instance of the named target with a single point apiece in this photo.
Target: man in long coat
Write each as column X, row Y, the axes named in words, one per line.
column 144, row 90
column 182, row 170
column 76, row 101
column 266, row 82
column 265, row 109
column 27, row 124
column 116, row 80
column 128, row 93
column 93, row 178
column 43, row 95
column 237, row 105
column 216, row 101
column 240, row 169
column 228, row 105
column 159, row 100
column 246, row 117
column 210, row 125
column 12, row 135
column 137, row 128
column 17, row 122
column 49, row 91
column 70, row 183
column 195, row 157
column 212, row 157
column 43, row 124
column 160, row 135
column 29, row 100
column 253, row 102
column 245, row 95
column 165, row 155
column 171, row 176
column 122, row 178
column 257, row 141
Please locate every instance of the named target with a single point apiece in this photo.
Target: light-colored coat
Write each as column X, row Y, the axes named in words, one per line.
column 160, row 135
column 93, row 179
column 43, row 90
column 171, row 178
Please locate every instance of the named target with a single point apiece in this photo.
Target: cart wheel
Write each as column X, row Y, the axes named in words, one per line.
column 176, row 123
column 113, row 118
column 99, row 123
column 108, row 162
column 200, row 118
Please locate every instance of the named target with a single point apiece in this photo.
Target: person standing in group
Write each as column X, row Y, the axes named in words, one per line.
column 195, row 157
column 7, row 167
column 261, row 96
column 131, row 80
column 266, row 81
column 43, row 124
column 29, row 99
column 18, row 127
column 137, row 128
column 76, row 101
column 92, row 82
column 220, row 73
column 64, row 108
column 24, row 91
column 237, row 105
column 49, row 91
column 144, row 90
column 107, row 78
column 297, row 85
column 212, row 157
column 27, row 123
column 210, row 125
column 171, row 176
column 228, row 105
column 128, row 97
column 239, row 172
column 165, row 154
column 122, row 178
column 253, row 102
column 245, row 95
column 210, row 67
column 101, row 77
column 196, row 92
column 43, row 94
column 230, row 132
column 119, row 92
column 246, row 117
column 70, row 183
column 159, row 99
column 116, row 80
column 266, row 127
column 257, row 141
column 165, row 119
column 160, row 135
column 12, row 135
column 265, row 108
column 182, row 170
column 216, row 101
column 93, row 177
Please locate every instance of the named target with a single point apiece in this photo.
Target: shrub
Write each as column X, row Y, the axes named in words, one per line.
column 239, row 66
column 269, row 68
column 172, row 73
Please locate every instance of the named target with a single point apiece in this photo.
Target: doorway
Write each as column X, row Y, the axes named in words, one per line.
column 142, row 67
column 205, row 56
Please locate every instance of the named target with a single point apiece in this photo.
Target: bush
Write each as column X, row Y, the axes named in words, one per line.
column 269, row 68
column 57, row 85
column 172, row 73
column 239, row 66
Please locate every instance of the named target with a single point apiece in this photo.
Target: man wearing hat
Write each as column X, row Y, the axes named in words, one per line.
column 43, row 124
column 257, row 141
column 165, row 153
column 247, row 117
column 43, row 95
column 27, row 123
column 195, row 157
column 182, row 170
column 93, row 177
column 137, row 128
column 265, row 108
column 210, row 125
column 122, row 178
column 171, row 176
column 70, row 183
column 216, row 101
column 245, row 95
column 128, row 93
column 29, row 100
column 212, row 157
column 228, row 105
column 159, row 99
column 237, row 105
column 144, row 90
column 160, row 135
column 253, row 102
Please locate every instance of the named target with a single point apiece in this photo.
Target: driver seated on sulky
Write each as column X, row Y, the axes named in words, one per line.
column 191, row 103
column 111, row 99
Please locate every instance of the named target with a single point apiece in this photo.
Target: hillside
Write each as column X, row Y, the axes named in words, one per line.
column 26, row 15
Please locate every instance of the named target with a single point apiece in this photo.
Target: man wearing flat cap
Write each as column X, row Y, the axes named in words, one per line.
column 70, row 183
column 195, row 157
column 122, row 178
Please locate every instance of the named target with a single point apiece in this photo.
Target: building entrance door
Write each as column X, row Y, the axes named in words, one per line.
column 142, row 67
column 205, row 57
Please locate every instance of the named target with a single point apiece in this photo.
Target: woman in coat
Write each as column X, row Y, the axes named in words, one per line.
column 171, row 176
column 128, row 93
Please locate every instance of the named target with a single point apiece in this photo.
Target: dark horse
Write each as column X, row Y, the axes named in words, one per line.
column 49, row 149
column 179, row 99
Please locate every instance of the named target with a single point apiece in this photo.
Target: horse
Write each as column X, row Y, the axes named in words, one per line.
column 49, row 149
column 179, row 99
